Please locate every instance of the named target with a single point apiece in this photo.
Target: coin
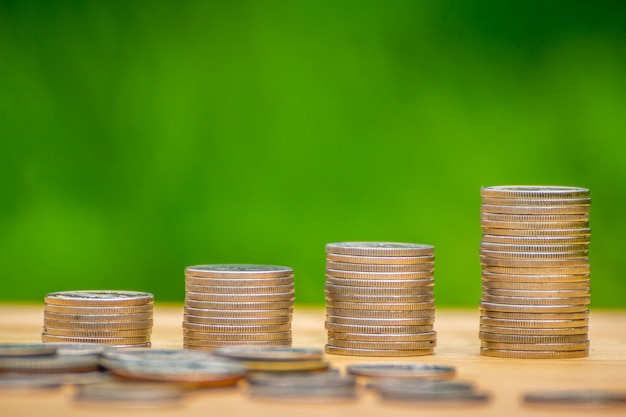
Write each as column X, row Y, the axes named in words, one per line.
column 103, row 340
column 557, row 294
column 340, row 289
column 409, row 306
column 215, row 289
column 560, row 331
column 558, row 347
column 407, row 371
column 383, row 260
column 344, row 266
column 504, row 338
column 539, row 285
column 28, row 382
column 239, row 271
column 243, row 305
column 581, row 241
column 99, row 298
column 424, row 275
column 155, row 355
column 381, row 314
column 235, row 298
column 535, row 301
column 98, row 318
column 216, row 328
column 400, row 299
column 105, row 310
column 520, row 232
column 534, row 316
column 270, row 354
column 54, row 363
column 534, row 354
column 420, row 321
column 210, row 344
column 540, row 218
column 358, row 344
column 284, row 366
column 334, row 350
column 199, row 371
column 384, row 337
column 234, row 336
column 10, row 350
column 239, row 282
column 80, row 349
column 381, row 283
column 535, row 210
column 536, row 274
column 534, row 256
column 98, row 326
column 237, row 321
column 552, row 202
column 350, row 328
column 531, row 225
column 511, row 308
column 428, row 391
column 576, row 398
column 502, row 247
column 300, row 395
column 539, row 192
column 146, row 394
column 379, row 249
column 535, row 323
column 534, row 263
column 236, row 314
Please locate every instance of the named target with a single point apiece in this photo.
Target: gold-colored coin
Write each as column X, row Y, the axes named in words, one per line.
column 533, row 225
column 237, row 321
column 344, row 266
column 539, row 285
column 563, row 331
column 562, row 294
column 535, row 210
column 379, row 275
column 189, row 334
column 504, row 274
column 349, row 289
column 381, row 299
column 235, row 314
column 334, row 350
column 534, row 323
column 551, row 202
column 548, row 249
column 530, row 218
column 534, row 192
column 91, row 325
column 216, row 328
column 504, row 338
column 525, row 354
column 356, row 344
column 511, row 308
column 239, row 282
column 534, row 256
column 570, row 232
column 99, row 298
column 379, row 306
column 419, row 321
column 234, row 298
column 535, row 316
column 534, row 263
column 378, row 337
column 98, row 318
column 535, row 301
column 285, row 366
column 380, row 249
column 381, row 260
column 380, row 314
column 108, row 310
column 350, row 328
column 209, row 345
column 239, row 271
column 244, row 305
column 381, row 283
column 214, row 289
column 580, row 241
column 101, row 340
column 97, row 333
column 558, row 347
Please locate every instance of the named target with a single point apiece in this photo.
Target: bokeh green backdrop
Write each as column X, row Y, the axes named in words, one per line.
column 140, row 137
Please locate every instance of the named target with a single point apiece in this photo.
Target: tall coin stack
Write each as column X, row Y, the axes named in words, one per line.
column 379, row 299
column 117, row 318
column 535, row 272
column 237, row 305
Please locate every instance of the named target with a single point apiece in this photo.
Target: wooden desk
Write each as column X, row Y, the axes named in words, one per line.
column 458, row 345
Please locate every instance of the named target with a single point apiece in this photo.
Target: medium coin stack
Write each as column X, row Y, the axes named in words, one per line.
column 535, row 272
column 379, row 299
column 237, row 305
column 118, row 318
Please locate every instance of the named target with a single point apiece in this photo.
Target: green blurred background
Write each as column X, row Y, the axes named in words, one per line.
column 137, row 138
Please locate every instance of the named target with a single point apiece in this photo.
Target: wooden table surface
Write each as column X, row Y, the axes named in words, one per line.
column 458, row 345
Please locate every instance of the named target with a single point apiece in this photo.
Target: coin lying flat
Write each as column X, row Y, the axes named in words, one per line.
column 384, row 337
column 520, row 232
column 237, row 321
column 335, row 350
column 382, row 260
column 98, row 318
column 379, row 249
column 232, row 290
column 99, row 298
column 378, row 283
column 515, row 308
column 581, row 241
column 394, row 345
column 154, row 355
column 576, row 398
column 235, row 298
column 26, row 383
column 428, row 391
column 55, row 363
column 351, row 328
column 532, row 192
column 534, row 202
column 338, row 273
column 101, row 326
column 535, row 316
column 304, row 388
column 211, row 345
column 238, row 281
column 270, row 354
column 200, row 371
column 381, row 314
column 345, row 266
column 356, row 321
column 239, row 271
column 559, row 347
column 399, row 299
column 377, row 291
column 525, row 331
column 556, row 294
column 26, row 349
column 408, row 306
column 102, row 340
column 146, row 394
column 525, row 354
column 535, row 210
column 216, row 328
column 494, row 337
column 236, row 313
column 97, row 310
column 535, row 323
column 539, row 285
column 414, row 371
column 244, row 305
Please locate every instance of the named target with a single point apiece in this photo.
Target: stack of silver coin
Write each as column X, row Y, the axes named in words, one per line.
column 535, row 272
column 379, row 299
column 118, row 318
column 237, row 305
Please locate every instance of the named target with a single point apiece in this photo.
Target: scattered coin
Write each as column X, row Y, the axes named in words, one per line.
column 54, row 363
column 26, row 349
column 576, row 398
column 272, row 354
column 151, row 395
column 414, row 371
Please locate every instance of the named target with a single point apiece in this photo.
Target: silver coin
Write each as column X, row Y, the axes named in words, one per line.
column 99, row 298
column 379, row 249
column 319, row 394
column 154, row 355
column 27, row 383
column 415, row 371
column 26, row 349
column 238, row 270
column 576, row 398
column 208, row 370
column 204, row 312
column 144, row 393
column 79, row 349
column 304, row 380
column 269, row 354
column 56, row 363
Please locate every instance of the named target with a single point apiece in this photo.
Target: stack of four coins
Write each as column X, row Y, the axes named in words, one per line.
column 379, row 299
column 535, row 272
column 117, row 318
column 237, row 305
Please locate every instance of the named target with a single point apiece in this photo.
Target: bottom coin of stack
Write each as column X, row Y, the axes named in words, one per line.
column 237, row 305
column 118, row 318
column 379, row 299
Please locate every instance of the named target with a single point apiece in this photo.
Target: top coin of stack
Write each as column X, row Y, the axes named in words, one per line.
column 535, row 272
column 237, row 305
column 119, row 318
column 379, row 299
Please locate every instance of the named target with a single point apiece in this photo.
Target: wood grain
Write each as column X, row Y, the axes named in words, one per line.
column 458, row 345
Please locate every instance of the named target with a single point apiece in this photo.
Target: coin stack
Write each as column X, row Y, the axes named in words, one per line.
column 118, row 318
column 379, row 299
column 237, row 305
column 535, row 272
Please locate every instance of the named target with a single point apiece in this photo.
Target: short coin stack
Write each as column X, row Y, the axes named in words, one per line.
column 379, row 299
column 118, row 318
column 535, row 272
column 237, row 305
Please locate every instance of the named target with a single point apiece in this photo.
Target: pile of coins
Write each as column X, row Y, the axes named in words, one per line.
column 535, row 272
column 379, row 299
column 118, row 318
column 237, row 305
